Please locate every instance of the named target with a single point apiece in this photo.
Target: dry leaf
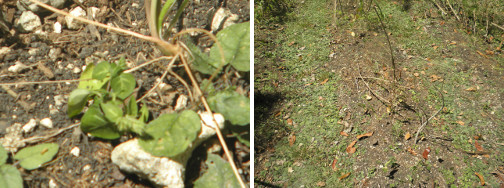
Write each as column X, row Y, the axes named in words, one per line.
column 342, row 133
column 481, row 54
column 453, row 42
column 321, row 98
column 365, row 135
column 278, row 114
column 350, row 149
column 321, row 184
column 412, row 151
column 460, row 122
column 325, row 81
column 344, row 176
column 482, row 180
column 333, row 165
column 290, row 170
column 416, row 74
column 435, row 78
column 471, row 89
column 435, row 47
column 441, row 23
column 407, row 136
column 478, row 146
column 291, row 43
column 488, row 52
column 425, row 153
column 368, row 97
column 292, row 139
column 290, row 122
column 308, row 84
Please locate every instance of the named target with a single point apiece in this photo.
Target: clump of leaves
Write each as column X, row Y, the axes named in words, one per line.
column 9, row 175
column 114, row 110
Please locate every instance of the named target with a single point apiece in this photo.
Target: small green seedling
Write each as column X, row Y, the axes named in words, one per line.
column 30, row 158
column 113, row 109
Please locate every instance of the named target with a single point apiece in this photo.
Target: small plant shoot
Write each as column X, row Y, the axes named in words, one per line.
column 113, row 110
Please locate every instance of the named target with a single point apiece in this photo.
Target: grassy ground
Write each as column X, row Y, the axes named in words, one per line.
column 317, row 76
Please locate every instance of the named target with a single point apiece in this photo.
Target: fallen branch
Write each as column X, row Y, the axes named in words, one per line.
column 426, row 122
column 498, row 26
column 454, row 13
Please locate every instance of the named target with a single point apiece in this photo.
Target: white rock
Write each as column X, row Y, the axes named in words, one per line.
column 222, row 19
column 46, row 122
column 71, row 22
column 33, row 51
column 18, row 67
column 181, row 102
column 57, row 27
column 28, row 127
column 70, row 66
column 93, row 11
column 4, row 50
column 86, row 167
column 59, row 100
column 75, row 151
column 52, row 184
column 35, row 8
column 54, row 53
column 28, row 21
column 163, row 171
column 76, row 70
column 53, row 110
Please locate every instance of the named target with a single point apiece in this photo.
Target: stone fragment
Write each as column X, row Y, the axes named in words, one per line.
column 222, row 19
column 57, row 27
column 71, row 22
column 28, row 22
column 47, row 122
column 28, row 127
column 75, row 151
column 18, row 67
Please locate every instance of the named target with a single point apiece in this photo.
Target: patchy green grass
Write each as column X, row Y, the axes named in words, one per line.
column 435, row 57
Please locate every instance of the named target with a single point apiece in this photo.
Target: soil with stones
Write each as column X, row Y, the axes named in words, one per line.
column 51, row 56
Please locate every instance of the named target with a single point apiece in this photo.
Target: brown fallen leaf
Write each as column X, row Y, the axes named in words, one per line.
column 478, row 146
column 435, row 78
column 460, row 122
column 407, row 136
column 489, row 52
column 344, row 176
column 292, row 139
column 435, row 47
column 412, row 151
column 333, row 165
column 471, row 89
column 290, row 122
column 350, row 149
column 453, row 42
column 426, row 152
column 308, row 84
column 291, row 43
column 481, row 54
column 321, row 184
column 441, row 23
column 343, row 133
column 365, row 135
column 325, row 81
column 482, row 180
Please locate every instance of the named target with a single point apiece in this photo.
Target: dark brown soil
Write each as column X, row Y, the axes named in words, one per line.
column 77, row 47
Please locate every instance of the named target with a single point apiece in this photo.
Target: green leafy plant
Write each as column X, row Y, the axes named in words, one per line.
column 113, row 110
